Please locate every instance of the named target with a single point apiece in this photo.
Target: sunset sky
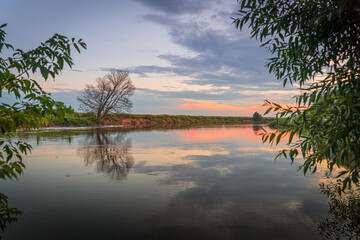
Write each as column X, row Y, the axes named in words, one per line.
column 184, row 56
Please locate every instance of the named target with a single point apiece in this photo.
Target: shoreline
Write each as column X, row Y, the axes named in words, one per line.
column 135, row 121
column 106, row 128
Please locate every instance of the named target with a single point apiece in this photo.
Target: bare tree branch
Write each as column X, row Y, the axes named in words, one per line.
column 110, row 95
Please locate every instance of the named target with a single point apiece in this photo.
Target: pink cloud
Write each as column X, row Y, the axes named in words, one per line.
column 216, row 106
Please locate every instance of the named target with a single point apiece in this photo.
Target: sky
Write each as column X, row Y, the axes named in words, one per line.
column 184, row 56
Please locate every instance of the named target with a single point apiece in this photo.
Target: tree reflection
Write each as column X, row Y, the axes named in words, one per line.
column 344, row 208
column 110, row 152
column 257, row 129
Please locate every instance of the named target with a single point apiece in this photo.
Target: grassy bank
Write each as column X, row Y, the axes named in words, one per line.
column 146, row 120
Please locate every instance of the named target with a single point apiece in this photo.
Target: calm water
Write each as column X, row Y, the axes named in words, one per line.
column 199, row 183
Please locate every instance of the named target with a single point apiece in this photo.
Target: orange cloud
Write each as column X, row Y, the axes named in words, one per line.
column 215, row 106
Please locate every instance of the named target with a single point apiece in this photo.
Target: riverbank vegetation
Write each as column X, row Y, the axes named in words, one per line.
column 75, row 119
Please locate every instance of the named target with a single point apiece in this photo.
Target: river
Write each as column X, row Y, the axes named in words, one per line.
column 198, row 183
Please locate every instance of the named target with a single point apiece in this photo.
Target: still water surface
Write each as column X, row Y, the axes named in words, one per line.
column 198, row 183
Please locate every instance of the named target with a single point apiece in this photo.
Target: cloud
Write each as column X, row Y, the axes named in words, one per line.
column 212, row 55
column 216, row 106
column 144, row 70
column 63, row 90
column 216, row 53
column 106, row 69
column 178, row 7
column 212, row 94
column 247, row 93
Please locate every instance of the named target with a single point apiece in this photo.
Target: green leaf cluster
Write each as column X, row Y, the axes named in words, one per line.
column 315, row 46
column 7, row 215
column 33, row 106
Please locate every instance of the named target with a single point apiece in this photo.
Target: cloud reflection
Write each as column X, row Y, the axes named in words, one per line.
column 240, row 134
column 233, row 194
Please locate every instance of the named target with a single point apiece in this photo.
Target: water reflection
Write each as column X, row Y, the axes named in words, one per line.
column 109, row 151
column 198, row 183
column 344, row 208
column 257, row 129
column 234, row 197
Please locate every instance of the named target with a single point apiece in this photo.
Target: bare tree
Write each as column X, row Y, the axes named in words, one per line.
column 110, row 95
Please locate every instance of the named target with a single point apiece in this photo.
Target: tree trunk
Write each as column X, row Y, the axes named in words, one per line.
column 98, row 121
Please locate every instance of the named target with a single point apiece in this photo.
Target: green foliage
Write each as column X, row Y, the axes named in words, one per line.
column 9, row 150
column 6, row 214
column 34, row 106
column 74, row 119
column 257, row 117
column 316, row 45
